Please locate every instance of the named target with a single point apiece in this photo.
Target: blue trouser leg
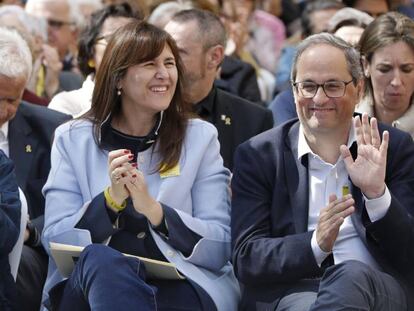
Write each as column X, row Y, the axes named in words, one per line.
column 104, row 279
column 353, row 285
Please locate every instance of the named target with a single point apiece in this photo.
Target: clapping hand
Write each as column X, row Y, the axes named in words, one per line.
column 142, row 200
column 367, row 172
column 121, row 172
column 330, row 220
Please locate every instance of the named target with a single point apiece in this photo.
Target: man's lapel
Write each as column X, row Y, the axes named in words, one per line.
column 225, row 127
column 356, row 218
column 297, row 180
column 22, row 147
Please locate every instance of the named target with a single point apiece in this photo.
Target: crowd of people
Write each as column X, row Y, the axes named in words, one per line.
column 263, row 148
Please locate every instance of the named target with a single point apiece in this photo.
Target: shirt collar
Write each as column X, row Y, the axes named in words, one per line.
column 207, row 103
column 303, row 146
column 108, row 141
column 5, row 129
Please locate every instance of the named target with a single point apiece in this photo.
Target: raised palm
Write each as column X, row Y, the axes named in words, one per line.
column 367, row 172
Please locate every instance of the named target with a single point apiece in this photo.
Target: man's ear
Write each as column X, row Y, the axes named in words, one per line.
column 366, row 67
column 215, row 56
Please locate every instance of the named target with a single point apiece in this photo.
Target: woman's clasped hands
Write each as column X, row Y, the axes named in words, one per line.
column 128, row 181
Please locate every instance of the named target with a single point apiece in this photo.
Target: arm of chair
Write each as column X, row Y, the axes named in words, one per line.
column 15, row 254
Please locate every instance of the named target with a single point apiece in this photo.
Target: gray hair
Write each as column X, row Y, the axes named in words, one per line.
column 351, row 54
column 74, row 13
column 76, row 6
column 210, row 29
column 163, row 13
column 33, row 25
column 15, row 56
column 14, row 10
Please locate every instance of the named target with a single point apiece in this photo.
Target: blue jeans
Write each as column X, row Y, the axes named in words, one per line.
column 104, row 279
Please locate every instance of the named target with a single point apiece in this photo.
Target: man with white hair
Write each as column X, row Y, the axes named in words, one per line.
column 15, row 65
column 25, row 137
column 62, row 17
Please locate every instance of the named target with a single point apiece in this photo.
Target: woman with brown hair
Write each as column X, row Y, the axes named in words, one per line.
column 387, row 50
column 139, row 175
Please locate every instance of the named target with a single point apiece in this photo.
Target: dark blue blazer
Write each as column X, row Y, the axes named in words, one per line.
column 246, row 120
column 9, row 228
column 271, row 244
column 30, row 140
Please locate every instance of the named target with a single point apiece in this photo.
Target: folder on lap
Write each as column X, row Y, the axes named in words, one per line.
column 65, row 257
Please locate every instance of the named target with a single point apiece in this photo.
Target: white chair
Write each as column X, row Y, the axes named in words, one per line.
column 15, row 254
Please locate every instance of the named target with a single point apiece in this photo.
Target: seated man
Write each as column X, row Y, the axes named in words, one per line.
column 201, row 37
column 323, row 207
column 10, row 76
column 26, row 132
column 9, row 229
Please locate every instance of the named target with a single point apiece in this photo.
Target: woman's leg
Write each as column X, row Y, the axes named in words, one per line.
column 104, row 279
column 180, row 295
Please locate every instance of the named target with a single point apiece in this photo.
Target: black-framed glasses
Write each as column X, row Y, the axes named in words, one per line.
column 332, row 89
column 57, row 24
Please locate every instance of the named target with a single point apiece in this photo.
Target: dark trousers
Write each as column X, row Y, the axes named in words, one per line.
column 31, row 277
column 351, row 285
column 104, row 279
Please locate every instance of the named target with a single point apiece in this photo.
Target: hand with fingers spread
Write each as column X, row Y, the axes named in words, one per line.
column 121, row 171
column 142, row 200
column 367, row 172
column 330, row 220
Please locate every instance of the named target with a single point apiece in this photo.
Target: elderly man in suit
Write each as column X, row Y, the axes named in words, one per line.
column 323, row 207
column 201, row 37
column 26, row 132
column 9, row 229
column 63, row 18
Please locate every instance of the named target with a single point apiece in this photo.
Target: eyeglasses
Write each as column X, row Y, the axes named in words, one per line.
column 57, row 24
column 103, row 40
column 332, row 89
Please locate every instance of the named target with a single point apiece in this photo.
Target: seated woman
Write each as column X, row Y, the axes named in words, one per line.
column 91, row 46
column 387, row 50
column 137, row 175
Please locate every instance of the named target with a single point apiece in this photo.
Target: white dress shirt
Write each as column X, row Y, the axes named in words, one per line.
column 4, row 142
column 326, row 179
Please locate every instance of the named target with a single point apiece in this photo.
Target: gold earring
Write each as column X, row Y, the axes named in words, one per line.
column 91, row 63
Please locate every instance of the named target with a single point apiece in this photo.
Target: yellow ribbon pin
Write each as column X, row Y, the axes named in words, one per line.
column 28, row 148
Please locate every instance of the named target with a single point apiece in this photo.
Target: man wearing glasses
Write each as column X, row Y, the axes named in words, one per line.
column 62, row 28
column 323, row 206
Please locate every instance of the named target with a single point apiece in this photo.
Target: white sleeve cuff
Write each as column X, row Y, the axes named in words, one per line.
column 377, row 208
column 319, row 254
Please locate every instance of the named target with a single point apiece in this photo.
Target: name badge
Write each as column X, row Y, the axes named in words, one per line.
column 172, row 172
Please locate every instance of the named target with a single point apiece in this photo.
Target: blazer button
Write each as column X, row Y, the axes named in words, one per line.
column 170, row 253
column 141, row 235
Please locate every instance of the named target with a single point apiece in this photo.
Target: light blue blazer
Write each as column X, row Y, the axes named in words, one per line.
column 200, row 195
